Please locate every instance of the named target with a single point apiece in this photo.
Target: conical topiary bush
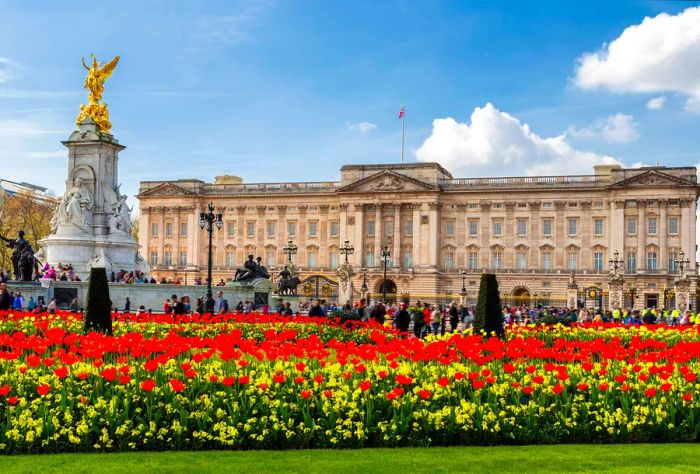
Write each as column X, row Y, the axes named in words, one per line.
column 98, row 313
column 489, row 315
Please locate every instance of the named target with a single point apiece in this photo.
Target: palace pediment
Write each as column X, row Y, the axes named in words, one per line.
column 167, row 189
column 387, row 181
column 653, row 178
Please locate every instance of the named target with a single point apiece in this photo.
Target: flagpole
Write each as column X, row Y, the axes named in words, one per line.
column 403, row 118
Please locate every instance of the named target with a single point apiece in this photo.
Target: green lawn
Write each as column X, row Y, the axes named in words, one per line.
column 636, row 458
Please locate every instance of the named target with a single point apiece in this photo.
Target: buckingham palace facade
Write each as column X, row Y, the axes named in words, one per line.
column 441, row 232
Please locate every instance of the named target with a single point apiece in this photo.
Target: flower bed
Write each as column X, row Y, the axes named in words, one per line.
column 259, row 382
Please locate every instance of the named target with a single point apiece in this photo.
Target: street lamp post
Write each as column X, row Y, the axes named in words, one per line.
column 463, row 292
column 207, row 220
column 364, row 287
column 615, row 262
column 347, row 249
column 386, row 255
column 290, row 249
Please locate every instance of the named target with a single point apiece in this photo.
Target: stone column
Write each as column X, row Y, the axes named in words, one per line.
column 280, row 257
column 195, row 239
column 343, row 224
column 434, row 234
column 687, row 230
column 240, row 236
column 359, row 230
column 509, row 232
column 322, row 232
column 641, row 236
column 161, row 236
column 682, row 290
column 378, row 228
column 345, row 285
column 415, row 250
column 617, row 231
column 485, row 231
column 663, row 237
column 615, row 294
column 145, row 234
column 396, row 254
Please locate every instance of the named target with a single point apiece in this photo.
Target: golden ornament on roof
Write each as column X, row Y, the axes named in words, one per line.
column 94, row 82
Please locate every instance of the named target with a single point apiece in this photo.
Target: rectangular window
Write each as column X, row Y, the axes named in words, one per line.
column 270, row 259
column 230, row 259
column 168, row 229
column 672, row 257
column 370, row 227
column 651, row 261
column 409, row 227
column 183, row 229
column 313, row 229
column 572, row 260
column 651, row 225
column 312, row 259
column 546, row 260
column 250, row 229
column 598, row 227
column 291, row 229
column 473, row 260
column 230, row 229
column 521, row 260
column 496, row 260
column 154, row 257
column 183, row 258
column 631, row 226
column 369, row 258
column 473, row 228
column 497, row 229
column 389, row 227
column 449, row 260
column 547, row 205
column 631, row 262
column 168, row 258
column 572, row 224
column 334, row 259
column 334, row 228
column 408, row 260
column 271, row 228
column 450, row 228
column 547, row 227
column 673, row 225
column 522, row 227
column 598, row 261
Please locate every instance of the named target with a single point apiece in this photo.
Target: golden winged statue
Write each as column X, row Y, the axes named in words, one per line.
column 94, row 82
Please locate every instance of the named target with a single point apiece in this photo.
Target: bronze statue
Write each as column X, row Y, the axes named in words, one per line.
column 251, row 270
column 28, row 264
column 94, row 82
column 17, row 245
column 288, row 283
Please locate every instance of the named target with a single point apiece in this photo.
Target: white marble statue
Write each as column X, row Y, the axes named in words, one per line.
column 75, row 208
column 120, row 219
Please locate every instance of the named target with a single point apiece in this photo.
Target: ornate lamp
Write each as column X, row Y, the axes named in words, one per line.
column 207, row 220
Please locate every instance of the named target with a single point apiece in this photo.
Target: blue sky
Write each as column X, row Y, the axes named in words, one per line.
column 291, row 90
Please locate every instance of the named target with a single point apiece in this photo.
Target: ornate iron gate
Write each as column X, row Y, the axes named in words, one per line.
column 318, row 287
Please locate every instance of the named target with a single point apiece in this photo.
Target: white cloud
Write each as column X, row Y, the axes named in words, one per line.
column 362, row 127
column 618, row 128
column 661, row 54
column 656, row 103
column 9, row 69
column 497, row 143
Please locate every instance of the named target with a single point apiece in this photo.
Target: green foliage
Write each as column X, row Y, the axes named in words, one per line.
column 489, row 315
column 98, row 315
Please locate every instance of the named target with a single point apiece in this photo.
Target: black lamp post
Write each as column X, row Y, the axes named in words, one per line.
column 464, row 286
column 207, row 220
column 386, row 255
column 364, row 287
column 347, row 249
column 615, row 262
column 290, row 249
column 633, row 292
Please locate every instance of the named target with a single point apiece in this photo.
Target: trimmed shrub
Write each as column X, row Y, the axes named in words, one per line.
column 98, row 315
column 489, row 314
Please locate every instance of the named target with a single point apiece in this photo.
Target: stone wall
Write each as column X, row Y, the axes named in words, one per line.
column 150, row 296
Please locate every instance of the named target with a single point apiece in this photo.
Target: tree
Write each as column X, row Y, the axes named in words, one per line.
column 25, row 211
column 489, row 315
column 98, row 314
